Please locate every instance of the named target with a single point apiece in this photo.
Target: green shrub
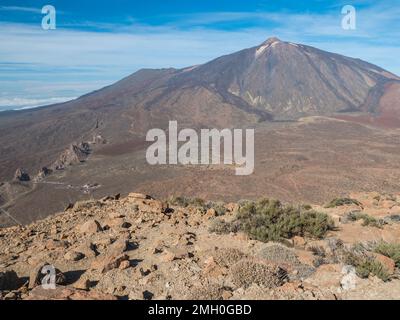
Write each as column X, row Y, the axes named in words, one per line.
column 367, row 219
column 268, row 220
column 364, row 263
column 306, row 207
column 342, row 202
column 219, row 207
column 391, row 250
column 371, row 266
column 219, row 226
column 178, row 201
column 197, row 203
column 318, row 251
column 186, row 202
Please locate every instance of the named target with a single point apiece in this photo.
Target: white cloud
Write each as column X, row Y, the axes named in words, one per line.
column 21, row 9
column 77, row 60
column 25, row 103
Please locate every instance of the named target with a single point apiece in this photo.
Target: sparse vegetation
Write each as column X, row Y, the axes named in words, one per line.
column 365, row 264
column 391, row 250
column 370, row 266
column 342, row 202
column 198, row 203
column 318, row 251
column 219, row 207
column 279, row 253
column 186, row 202
column 246, row 272
column 393, row 218
column 219, row 226
column 268, row 220
column 367, row 219
column 306, row 207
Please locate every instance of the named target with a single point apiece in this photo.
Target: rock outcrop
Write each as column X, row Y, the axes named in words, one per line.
column 141, row 248
column 75, row 154
column 21, row 175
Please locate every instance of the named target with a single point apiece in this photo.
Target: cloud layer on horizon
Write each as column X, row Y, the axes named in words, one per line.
column 82, row 56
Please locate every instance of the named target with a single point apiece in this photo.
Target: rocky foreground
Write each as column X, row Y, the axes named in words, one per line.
column 141, row 248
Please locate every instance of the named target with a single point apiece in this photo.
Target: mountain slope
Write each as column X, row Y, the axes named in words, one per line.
column 290, row 80
column 276, row 80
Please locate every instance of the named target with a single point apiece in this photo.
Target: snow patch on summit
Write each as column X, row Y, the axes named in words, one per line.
column 264, row 47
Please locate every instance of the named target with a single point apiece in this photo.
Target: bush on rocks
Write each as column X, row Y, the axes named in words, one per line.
column 246, row 272
column 268, row 220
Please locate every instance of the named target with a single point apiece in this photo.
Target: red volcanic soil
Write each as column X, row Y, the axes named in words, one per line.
column 388, row 110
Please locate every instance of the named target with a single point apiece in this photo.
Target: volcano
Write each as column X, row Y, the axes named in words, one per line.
column 274, row 82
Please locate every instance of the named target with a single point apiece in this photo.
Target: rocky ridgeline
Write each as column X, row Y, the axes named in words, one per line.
column 141, row 248
column 74, row 154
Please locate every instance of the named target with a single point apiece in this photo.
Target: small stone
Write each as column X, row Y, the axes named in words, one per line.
column 124, row 265
column 147, row 295
column 211, row 213
column 10, row 296
column 54, row 230
column 147, row 268
column 52, row 244
column 115, row 223
column 90, row 227
column 82, row 284
column 171, row 254
column 74, row 256
column 135, row 295
column 212, row 269
column 226, row 295
column 108, row 263
column 115, row 215
column 119, row 246
column 88, row 249
column 298, row 241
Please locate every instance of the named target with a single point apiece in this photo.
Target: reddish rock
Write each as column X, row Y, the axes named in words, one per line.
column 108, row 263
column 298, row 241
column 212, row 269
column 171, row 254
column 124, row 265
column 387, row 262
column 74, row 256
column 210, row 214
column 90, row 227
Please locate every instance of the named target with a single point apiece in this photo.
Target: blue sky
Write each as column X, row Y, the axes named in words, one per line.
column 98, row 42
